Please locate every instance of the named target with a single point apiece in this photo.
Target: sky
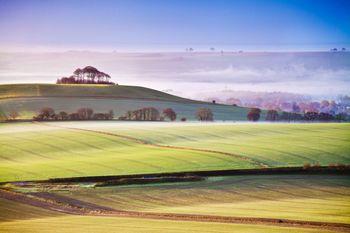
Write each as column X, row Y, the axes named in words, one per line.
column 41, row 41
column 150, row 25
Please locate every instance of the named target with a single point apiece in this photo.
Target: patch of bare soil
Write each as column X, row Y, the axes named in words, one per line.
column 72, row 206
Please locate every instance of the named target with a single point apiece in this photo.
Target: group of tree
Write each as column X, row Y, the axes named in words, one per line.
column 87, row 75
column 152, row 114
column 273, row 115
column 47, row 114
column 204, row 114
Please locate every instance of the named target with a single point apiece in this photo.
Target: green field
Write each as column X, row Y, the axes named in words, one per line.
column 44, row 222
column 31, row 151
column 297, row 197
column 28, row 99
column 35, row 151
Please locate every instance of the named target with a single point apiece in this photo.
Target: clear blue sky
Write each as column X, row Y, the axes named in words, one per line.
column 152, row 23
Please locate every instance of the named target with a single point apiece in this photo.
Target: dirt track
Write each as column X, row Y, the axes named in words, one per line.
column 67, row 205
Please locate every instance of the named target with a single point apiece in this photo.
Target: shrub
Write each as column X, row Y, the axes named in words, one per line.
column 183, row 119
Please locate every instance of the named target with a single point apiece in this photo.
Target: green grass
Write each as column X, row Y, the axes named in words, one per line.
column 106, row 91
column 273, row 144
column 28, row 99
column 32, row 151
column 311, row 198
column 36, row 151
column 73, row 224
column 16, row 217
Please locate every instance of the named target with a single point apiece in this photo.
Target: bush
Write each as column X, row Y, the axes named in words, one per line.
column 183, row 119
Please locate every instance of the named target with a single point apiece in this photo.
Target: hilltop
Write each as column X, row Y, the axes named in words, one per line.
column 28, row 99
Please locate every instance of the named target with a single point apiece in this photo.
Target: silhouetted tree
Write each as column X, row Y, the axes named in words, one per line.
column 85, row 113
column 272, row 115
column 254, row 114
column 144, row 114
column 87, row 75
column 63, row 116
column 311, row 116
column 204, row 114
column 169, row 113
column 325, row 117
column 47, row 113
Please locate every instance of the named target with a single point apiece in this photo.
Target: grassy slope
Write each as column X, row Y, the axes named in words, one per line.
column 33, row 151
column 28, row 99
column 273, row 144
column 296, row 197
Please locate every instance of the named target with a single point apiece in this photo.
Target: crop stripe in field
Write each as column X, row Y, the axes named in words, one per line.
column 76, row 207
column 140, row 141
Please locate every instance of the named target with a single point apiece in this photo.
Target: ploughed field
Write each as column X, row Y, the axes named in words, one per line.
column 29, row 99
column 246, row 203
column 36, row 151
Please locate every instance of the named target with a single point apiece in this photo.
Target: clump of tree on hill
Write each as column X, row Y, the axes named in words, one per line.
column 87, row 75
column 49, row 114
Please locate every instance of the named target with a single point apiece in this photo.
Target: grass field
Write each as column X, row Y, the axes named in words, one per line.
column 40, row 151
column 296, row 197
column 28, row 99
column 73, row 224
column 34, row 151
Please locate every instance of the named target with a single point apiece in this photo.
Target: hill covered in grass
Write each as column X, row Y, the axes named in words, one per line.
column 35, row 151
column 28, row 99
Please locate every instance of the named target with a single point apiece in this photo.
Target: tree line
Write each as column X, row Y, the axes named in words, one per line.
column 202, row 114
column 273, row 115
column 47, row 114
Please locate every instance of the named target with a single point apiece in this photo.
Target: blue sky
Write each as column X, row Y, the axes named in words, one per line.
column 169, row 23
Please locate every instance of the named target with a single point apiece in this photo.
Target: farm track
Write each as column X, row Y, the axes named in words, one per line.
column 144, row 142
column 67, row 205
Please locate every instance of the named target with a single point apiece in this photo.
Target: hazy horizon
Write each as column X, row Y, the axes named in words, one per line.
column 144, row 42
column 194, row 75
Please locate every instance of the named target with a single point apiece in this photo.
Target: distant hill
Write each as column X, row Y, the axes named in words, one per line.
column 28, row 99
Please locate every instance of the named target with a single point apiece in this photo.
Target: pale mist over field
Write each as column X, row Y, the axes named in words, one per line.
column 198, row 75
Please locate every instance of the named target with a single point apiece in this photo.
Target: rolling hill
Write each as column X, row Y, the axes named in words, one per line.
column 28, row 99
